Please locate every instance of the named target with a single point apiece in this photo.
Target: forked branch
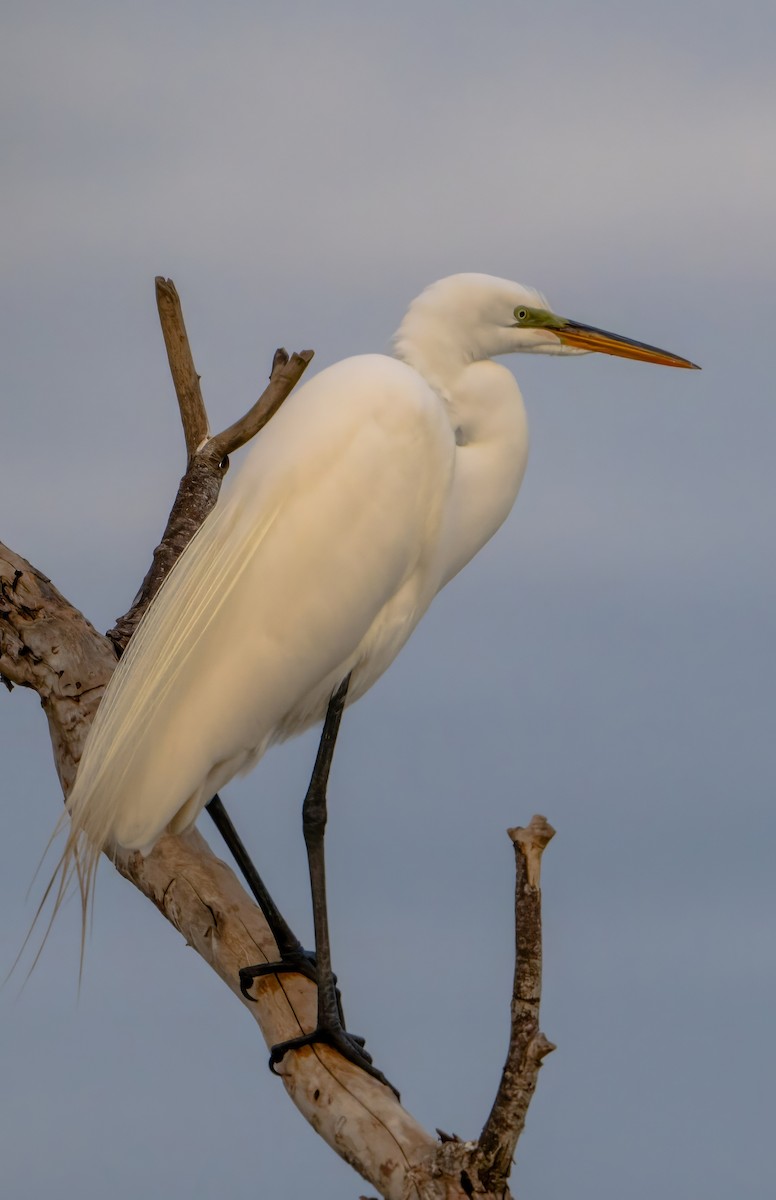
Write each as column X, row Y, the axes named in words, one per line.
column 207, row 457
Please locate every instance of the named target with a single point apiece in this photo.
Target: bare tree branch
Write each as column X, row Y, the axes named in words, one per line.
column 360, row 1118
column 184, row 373
column 48, row 645
column 285, row 376
column 527, row 1045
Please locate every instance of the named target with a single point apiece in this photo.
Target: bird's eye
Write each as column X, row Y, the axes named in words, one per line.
column 521, row 314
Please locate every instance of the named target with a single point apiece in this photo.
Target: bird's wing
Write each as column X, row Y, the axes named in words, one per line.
column 336, row 506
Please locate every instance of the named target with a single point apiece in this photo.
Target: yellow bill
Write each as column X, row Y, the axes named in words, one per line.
column 587, row 337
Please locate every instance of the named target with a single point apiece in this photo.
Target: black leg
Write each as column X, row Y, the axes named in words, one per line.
column 314, row 817
column 281, row 931
column 292, row 954
column 331, row 1029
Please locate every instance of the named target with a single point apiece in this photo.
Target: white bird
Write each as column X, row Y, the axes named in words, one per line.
column 374, row 485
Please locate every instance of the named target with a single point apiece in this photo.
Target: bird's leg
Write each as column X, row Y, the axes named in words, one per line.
column 330, row 1028
column 293, row 957
column 292, row 954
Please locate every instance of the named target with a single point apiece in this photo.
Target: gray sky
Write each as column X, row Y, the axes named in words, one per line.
column 302, row 170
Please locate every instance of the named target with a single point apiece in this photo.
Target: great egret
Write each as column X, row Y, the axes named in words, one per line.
column 370, row 489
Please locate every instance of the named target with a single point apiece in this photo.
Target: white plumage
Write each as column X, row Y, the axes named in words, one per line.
column 375, row 483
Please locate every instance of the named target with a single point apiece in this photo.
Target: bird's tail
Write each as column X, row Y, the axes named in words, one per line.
column 78, row 860
column 106, row 783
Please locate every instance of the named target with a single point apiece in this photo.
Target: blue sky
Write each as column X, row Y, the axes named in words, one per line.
column 301, row 171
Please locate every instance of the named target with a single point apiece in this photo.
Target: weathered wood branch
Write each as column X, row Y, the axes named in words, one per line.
column 527, row 1045
column 48, row 645
column 184, row 374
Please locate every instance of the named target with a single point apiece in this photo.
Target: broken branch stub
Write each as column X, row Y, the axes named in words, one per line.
column 527, row 1044
column 184, row 374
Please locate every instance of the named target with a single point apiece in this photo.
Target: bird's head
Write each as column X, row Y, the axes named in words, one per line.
column 470, row 317
column 538, row 329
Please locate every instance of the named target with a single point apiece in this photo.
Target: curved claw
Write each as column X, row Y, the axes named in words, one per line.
column 361, row 1057
column 246, row 983
column 301, row 963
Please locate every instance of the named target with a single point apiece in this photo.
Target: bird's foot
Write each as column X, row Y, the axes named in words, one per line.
column 333, row 1033
column 349, row 1045
column 298, row 962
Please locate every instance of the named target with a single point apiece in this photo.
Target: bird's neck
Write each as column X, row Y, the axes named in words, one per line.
column 427, row 343
column 441, row 336
column 488, row 417
column 486, row 412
